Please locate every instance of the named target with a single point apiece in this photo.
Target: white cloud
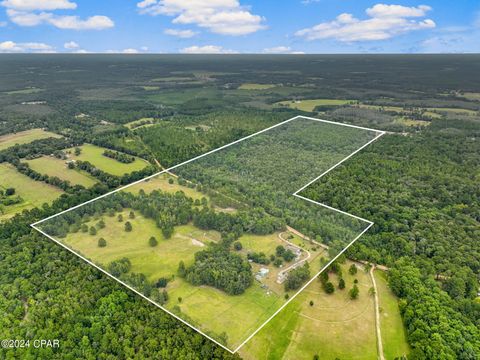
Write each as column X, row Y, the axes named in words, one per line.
column 71, row 45
column 13, row 47
column 71, row 22
column 130, row 51
column 385, row 22
column 30, row 5
column 184, row 34
column 226, row 17
column 31, row 13
column 206, row 49
column 97, row 22
column 281, row 50
column 3, row 23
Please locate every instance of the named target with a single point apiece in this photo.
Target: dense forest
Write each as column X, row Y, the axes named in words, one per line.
column 418, row 183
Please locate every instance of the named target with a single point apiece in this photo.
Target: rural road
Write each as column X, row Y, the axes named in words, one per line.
column 381, row 355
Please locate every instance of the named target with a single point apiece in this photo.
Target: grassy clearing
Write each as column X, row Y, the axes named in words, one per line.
column 240, row 315
column 393, row 332
column 161, row 182
column 210, row 309
column 471, row 96
column 453, row 111
column 136, row 124
column 34, row 193
column 400, row 110
column 56, row 167
column 310, row 105
column 252, row 86
column 334, row 327
column 31, row 90
column 94, row 155
column 25, row 137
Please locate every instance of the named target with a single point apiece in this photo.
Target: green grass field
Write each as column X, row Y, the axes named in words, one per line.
column 240, row 315
column 34, row 193
column 394, row 336
column 26, row 91
column 252, row 86
column 160, row 182
column 56, row 167
column 94, row 155
column 25, row 137
column 334, row 327
column 310, row 105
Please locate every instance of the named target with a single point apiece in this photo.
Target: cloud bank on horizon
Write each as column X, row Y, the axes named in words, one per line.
column 238, row 26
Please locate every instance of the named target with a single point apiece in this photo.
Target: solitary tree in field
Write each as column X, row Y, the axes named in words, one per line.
column 152, row 241
column 352, row 270
column 101, row 224
column 311, row 303
column 170, row 181
column 131, row 215
column 371, row 291
column 120, row 217
column 237, row 245
column 102, row 242
column 93, row 231
column 329, row 288
column 128, row 226
column 84, row 228
column 10, row 191
column 354, row 292
column 179, row 299
column 341, row 284
column 78, row 151
column 181, row 269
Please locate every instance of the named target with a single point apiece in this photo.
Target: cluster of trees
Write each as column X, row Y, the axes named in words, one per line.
column 297, row 277
column 220, row 268
column 8, row 197
column 421, row 193
column 121, row 157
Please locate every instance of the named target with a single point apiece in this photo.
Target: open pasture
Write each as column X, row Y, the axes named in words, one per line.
column 94, row 155
column 34, row 193
column 56, row 167
column 25, row 137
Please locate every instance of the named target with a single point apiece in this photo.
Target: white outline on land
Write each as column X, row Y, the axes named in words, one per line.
column 379, row 134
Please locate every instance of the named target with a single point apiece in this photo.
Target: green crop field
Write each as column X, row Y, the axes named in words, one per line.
column 25, row 91
column 34, row 193
column 25, row 137
column 94, row 155
column 56, row 167
column 310, row 105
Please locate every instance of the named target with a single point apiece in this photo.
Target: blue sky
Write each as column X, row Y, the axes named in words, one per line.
column 240, row 26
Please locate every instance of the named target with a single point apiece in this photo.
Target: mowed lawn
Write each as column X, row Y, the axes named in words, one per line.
column 56, row 167
column 333, row 327
column 311, row 104
column 34, row 193
column 25, row 137
column 94, row 155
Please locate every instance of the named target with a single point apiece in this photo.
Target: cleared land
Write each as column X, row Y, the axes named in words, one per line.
column 56, row 167
column 34, row 193
column 310, row 105
column 252, row 86
column 333, row 327
column 201, row 304
column 25, row 137
column 393, row 331
column 94, row 155
column 161, row 182
column 25, row 91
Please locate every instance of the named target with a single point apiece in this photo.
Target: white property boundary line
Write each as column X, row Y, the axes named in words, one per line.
column 379, row 134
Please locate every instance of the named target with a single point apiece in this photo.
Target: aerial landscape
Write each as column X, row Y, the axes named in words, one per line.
column 208, row 204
